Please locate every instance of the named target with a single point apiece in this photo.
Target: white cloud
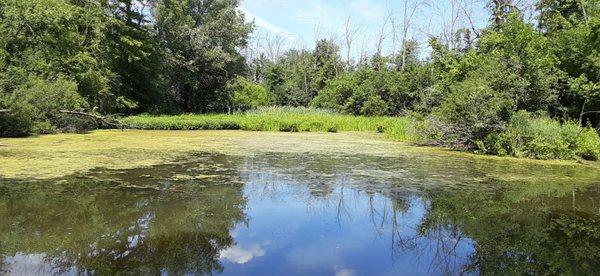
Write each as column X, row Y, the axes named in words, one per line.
column 266, row 25
column 239, row 255
column 341, row 271
column 32, row 264
column 261, row 22
column 368, row 8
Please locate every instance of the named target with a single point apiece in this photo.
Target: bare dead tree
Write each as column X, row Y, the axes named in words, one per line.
column 394, row 26
column 454, row 8
column 254, row 53
column 468, row 13
column 584, row 11
column 350, row 33
column 364, row 50
column 410, row 8
column 109, row 120
column 318, row 31
column 382, row 36
column 274, row 44
column 383, row 33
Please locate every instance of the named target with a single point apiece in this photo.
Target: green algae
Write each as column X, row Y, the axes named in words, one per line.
column 55, row 156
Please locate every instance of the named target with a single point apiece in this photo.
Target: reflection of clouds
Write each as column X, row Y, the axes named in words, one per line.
column 342, row 271
column 239, row 255
column 31, row 264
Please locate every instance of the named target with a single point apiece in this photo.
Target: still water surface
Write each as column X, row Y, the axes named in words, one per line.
column 301, row 214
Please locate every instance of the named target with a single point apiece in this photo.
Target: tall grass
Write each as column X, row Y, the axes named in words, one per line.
column 526, row 136
column 285, row 119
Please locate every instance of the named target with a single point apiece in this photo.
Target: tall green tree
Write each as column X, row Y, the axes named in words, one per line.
column 201, row 41
column 136, row 54
column 573, row 28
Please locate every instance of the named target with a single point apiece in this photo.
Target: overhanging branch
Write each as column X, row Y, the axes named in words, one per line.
column 105, row 120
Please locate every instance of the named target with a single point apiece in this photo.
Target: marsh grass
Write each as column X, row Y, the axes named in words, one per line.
column 284, row 119
column 526, row 136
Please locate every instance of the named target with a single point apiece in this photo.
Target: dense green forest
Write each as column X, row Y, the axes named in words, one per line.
column 497, row 89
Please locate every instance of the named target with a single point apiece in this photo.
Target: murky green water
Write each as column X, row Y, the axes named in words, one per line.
column 299, row 214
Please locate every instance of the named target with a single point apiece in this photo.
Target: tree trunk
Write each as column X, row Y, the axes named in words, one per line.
column 99, row 118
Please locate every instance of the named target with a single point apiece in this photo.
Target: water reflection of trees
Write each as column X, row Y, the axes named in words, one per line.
column 453, row 217
column 120, row 221
column 473, row 220
column 526, row 236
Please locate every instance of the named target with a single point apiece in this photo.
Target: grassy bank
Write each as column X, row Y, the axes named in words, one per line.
column 525, row 135
column 276, row 119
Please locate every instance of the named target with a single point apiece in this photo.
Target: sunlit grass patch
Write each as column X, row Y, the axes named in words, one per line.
column 276, row 119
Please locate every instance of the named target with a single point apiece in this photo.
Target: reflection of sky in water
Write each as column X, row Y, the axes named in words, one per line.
column 294, row 215
column 32, row 264
column 347, row 232
column 240, row 255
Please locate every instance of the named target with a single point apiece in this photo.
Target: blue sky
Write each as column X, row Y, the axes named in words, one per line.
column 296, row 20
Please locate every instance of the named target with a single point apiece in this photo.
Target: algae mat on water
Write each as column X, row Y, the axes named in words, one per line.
column 53, row 156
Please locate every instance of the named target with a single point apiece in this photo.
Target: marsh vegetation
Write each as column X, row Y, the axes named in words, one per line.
column 523, row 83
column 170, row 137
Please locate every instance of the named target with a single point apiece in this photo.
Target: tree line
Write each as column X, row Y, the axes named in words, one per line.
column 115, row 56
column 197, row 56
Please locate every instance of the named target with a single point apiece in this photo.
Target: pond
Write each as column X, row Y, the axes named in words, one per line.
column 300, row 213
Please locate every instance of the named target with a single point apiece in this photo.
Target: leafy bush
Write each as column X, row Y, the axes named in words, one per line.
column 370, row 92
column 336, row 93
column 543, row 138
column 35, row 108
column 470, row 113
column 247, row 94
column 16, row 123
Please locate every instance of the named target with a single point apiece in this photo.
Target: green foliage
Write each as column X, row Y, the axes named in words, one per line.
column 543, row 138
column 43, row 38
column 276, row 119
column 42, row 101
column 201, row 41
column 470, row 112
column 246, row 94
column 18, row 122
column 297, row 76
column 373, row 93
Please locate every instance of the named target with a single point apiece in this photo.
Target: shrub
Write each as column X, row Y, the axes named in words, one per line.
column 43, row 100
column 420, row 130
column 588, row 145
column 368, row 92
column 247, row 94
column 18, row 122
column 470, row 113
column 374, row 106
column 336, row 93
column 540, row 137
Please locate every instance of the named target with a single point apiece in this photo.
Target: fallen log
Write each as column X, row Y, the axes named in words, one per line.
column 4, row 110
column 103, row 119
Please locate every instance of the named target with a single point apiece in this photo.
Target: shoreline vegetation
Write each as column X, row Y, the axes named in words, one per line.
column 520, row 86
column 527, row 136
